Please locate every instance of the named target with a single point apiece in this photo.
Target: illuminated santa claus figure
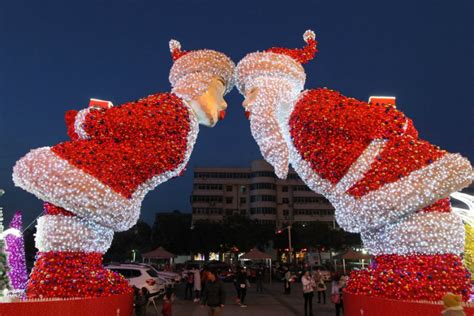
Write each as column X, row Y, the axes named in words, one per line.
column 367, row 159
column 94, row 184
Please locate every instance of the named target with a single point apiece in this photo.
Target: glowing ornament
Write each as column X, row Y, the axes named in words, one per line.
column 16, row 255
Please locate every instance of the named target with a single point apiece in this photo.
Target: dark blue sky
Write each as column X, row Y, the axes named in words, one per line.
column 54, row 56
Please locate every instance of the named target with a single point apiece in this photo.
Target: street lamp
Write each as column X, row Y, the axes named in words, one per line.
column 290, row 248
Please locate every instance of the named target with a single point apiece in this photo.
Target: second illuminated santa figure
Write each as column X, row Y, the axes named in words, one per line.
column 367, row 159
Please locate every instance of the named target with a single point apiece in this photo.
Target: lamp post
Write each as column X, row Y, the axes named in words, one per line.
column 290, row 248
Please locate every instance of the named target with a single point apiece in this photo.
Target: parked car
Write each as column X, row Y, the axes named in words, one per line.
column 168, row 275
column 140, row 276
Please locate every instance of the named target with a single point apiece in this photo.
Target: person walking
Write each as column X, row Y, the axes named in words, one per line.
column 188, row 291
column 197, row 285
column 337, row 286
column 320, row 287
column 259, row 276
column 213, row 295
column 287, row 281
column 167, row 304
column 242, row 285
column 140, row 301
column 308, row 292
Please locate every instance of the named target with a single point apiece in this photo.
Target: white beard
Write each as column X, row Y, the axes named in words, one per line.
column 266, row 130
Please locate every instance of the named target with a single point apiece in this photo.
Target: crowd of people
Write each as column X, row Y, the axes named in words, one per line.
column 205, row 287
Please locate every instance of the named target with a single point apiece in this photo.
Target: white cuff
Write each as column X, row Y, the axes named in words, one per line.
column 420, row 233
column 392, row 201
column 71, row 233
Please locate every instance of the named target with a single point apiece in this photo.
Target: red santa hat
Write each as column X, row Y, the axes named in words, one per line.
column 277, row 62
column 192, row 71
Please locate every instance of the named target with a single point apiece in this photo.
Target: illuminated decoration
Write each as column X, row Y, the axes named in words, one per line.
column 412, row 277
column 468, row 258
column 4, row 268
column 367, row 160
column 193, row 71
column 95, row 183
column 278, row 76
column 16, row 255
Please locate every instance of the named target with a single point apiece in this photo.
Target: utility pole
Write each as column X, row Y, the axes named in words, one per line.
column 289, row 244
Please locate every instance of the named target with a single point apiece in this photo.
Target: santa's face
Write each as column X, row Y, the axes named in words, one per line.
column 210, row 106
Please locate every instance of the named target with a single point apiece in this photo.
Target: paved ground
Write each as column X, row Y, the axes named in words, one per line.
column 272, row 303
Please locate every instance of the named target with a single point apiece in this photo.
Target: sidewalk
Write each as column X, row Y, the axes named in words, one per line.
column 272, row 302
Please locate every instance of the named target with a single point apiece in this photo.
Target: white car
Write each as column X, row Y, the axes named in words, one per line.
column 172, row 276
column 140, row 276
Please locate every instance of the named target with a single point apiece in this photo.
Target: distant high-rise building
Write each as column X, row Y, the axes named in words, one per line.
column 257, row 193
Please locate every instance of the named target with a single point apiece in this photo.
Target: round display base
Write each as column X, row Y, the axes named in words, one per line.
column 108, row 305
column 357, row 305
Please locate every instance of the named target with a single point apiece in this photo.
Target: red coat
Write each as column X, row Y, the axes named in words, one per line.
column 130, row 143
column 367, row 159
column 115, row 156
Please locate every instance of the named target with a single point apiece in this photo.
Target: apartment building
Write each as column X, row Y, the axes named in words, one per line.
column 257, row 193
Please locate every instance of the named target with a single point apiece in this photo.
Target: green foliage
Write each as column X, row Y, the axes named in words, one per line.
column 4, row 280
column 136, row 238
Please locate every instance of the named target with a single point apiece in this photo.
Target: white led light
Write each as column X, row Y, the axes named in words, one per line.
column 191, row 74
column 52, row 179
column 71, row 233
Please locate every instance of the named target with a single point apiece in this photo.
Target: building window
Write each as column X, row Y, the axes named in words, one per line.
column 310, row 199
column 243, row 200
column 263, row 210
column 228, row 200
column 262, row 186
column 293, row 176
column 301, row 188
column 284, row 188
column 208, row 186
column 267, row 174
column 228, row 188
column 228, row 212
column 284, row 200
column 262, row 198
column 243, row 212
column 243, row 189
column 286, row 212
column 207, row 198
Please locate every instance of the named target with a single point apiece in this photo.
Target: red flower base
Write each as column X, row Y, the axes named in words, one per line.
column 73, row 274
column 412, row 277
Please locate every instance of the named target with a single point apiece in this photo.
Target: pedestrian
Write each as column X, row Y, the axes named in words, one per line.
column 167, row 304
column 242, row 284
column 213, row 295
column 320, row 287
column 197, row 285
column 140, row 301
column 452, row 305
column 189, row 286
column 287, row 281
column 337, row 286
column 259, row 276
column 308, row 292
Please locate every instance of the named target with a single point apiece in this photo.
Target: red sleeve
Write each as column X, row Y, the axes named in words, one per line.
column 70, row 118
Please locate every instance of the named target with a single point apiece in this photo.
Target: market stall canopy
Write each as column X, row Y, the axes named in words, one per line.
column 159, row 253
column 351, row 254
column 255, row 254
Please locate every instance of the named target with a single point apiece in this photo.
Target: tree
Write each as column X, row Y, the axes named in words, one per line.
column 206, row 237
column 4, row 280
column 136, row 239
column 172, row 231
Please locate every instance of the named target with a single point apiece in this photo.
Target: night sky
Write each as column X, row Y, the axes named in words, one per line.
column 56, row 55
